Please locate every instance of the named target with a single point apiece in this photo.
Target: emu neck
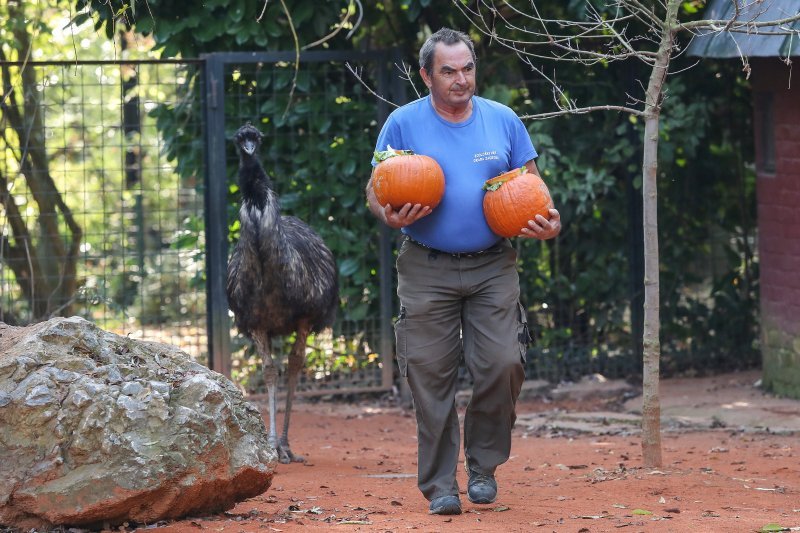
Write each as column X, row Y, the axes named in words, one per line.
column 255, row 184
column 260, row 214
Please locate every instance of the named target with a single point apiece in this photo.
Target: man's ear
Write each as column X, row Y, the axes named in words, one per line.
column 424, row 74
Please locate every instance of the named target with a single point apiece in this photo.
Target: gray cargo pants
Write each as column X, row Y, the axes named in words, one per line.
column 451, row 306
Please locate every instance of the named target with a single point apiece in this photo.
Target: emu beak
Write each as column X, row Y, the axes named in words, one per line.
column 248, row 146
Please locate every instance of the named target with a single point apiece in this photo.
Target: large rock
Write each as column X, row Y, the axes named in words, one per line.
column 98, row 429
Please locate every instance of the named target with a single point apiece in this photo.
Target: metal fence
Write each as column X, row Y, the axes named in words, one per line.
column 141, row 199
column 118, row 203
column 93, row 209
column 319, row 125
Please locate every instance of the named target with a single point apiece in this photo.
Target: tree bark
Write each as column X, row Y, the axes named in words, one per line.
column 651, row 402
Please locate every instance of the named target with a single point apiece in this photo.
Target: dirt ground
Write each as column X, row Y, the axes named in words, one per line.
column 360, row 475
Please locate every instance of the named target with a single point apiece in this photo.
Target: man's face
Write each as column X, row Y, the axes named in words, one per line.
column 452, row 77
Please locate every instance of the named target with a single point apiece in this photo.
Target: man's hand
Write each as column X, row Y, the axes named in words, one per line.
column 541, row 228
column 408, row 214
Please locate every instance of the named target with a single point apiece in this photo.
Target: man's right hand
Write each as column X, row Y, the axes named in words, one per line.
column 408, row 214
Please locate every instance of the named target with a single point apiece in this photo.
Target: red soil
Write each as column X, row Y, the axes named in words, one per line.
column 361, row 466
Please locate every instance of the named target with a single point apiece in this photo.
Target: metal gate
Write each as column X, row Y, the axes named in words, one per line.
column 319, row 124
column 118, row 197
column 95, row 219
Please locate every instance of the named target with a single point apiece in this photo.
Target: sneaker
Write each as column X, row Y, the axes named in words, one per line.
column 445, row 505
column 481, row 488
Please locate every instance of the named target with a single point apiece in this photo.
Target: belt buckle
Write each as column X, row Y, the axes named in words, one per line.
column 468, row 255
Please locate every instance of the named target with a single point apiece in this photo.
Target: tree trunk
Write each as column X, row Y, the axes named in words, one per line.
column 651, row 402
column 45, row 270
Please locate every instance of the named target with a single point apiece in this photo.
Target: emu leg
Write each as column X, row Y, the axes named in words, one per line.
column 270, row 373
column 297, row 359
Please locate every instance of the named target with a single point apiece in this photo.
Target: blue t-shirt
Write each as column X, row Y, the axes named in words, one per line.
column 491, row 141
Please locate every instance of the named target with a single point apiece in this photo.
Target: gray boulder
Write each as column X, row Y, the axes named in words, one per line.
column 98, row 429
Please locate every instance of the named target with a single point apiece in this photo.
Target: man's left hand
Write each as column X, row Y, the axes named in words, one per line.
column 543, row 229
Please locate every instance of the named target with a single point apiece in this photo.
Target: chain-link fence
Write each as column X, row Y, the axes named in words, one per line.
column 319, row 124
column 95, row 219
column 118, row 202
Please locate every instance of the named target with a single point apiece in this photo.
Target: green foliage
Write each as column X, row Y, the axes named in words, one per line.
column 578, row 288
column 137, row 268
column 319, row 143
column 709, row 272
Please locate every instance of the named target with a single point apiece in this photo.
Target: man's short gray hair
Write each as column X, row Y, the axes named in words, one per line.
column 446, row 36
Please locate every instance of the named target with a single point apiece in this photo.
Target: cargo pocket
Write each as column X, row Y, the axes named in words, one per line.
column 523, row 332
column 401, row 342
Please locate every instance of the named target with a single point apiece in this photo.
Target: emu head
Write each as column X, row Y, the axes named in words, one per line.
column 248, row 139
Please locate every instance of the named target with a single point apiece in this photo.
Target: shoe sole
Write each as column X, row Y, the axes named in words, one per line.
column 482, row 500
column 446, row 510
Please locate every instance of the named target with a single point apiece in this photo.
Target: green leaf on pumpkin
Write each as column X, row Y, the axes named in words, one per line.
column 497, row 184
column 389, row 152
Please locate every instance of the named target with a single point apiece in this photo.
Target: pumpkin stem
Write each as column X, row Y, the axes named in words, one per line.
column 389, row 152
column 496, row 182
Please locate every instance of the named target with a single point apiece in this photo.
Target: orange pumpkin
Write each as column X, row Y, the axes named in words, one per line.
column 403, row 177
column 512, row 199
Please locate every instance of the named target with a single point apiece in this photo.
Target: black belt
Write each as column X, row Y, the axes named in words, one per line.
column 459, row 255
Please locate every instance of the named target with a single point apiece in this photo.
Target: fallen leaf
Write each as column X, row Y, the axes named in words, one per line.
column 501, row 509
column 641, row 512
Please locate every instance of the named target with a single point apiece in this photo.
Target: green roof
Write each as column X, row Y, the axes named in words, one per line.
column 754, row 43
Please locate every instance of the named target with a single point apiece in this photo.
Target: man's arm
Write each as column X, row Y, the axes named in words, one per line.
column 541, row 228
column 408, row 214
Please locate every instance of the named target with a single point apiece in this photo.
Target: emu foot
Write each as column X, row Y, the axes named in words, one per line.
column 286, row 456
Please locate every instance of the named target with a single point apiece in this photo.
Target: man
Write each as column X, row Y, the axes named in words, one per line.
column 457, row 281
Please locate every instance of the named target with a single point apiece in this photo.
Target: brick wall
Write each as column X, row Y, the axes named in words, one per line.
column 778, row 189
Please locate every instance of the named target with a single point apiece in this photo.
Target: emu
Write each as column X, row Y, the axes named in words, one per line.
column 282, row 279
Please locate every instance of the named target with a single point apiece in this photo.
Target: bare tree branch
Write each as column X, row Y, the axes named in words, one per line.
column 296, row 58
column 341, row 25
column 357, row 73
column 583, row 111
column 716, row 25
